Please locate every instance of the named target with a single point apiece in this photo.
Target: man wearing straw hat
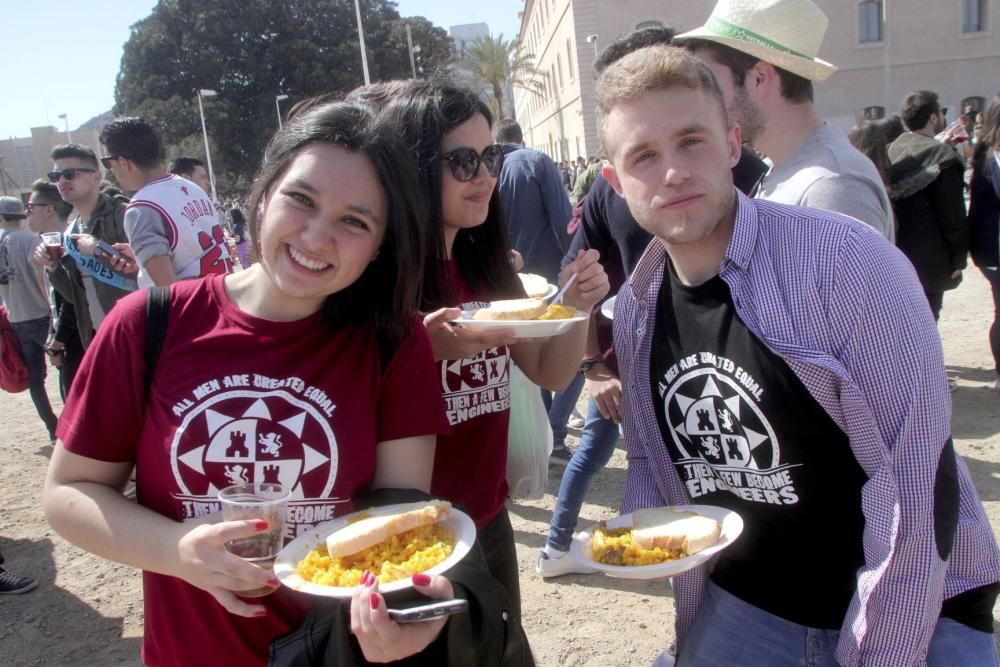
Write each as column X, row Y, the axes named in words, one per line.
column 763, row 53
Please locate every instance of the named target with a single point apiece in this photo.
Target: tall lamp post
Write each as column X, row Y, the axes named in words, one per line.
column 592, row 39
column 204, row 92
column 413, row 49
column 69, row 137
column 277, row 105
column 361, row 38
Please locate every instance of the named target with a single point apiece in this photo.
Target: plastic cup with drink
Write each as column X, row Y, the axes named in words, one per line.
column 261, row 501
column 53, row 243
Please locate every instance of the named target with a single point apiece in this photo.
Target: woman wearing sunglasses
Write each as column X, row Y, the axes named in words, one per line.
column 448, row 129
column 309, row 368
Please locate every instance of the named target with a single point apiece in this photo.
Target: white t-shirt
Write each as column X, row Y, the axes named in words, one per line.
column 173, row 216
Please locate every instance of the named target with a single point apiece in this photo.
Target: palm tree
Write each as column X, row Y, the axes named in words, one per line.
column 496, row 63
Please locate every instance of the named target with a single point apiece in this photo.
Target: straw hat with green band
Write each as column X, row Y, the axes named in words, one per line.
column 785, row 33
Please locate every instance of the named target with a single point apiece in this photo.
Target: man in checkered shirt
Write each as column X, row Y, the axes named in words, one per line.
column 782, row 362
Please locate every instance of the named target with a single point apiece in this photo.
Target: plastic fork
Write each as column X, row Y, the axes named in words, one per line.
column 557, row 297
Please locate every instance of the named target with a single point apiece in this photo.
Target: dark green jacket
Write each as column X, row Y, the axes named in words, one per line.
column 927, row 191
column 106, row 223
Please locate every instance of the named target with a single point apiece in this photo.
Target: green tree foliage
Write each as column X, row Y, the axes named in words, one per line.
column 496, row 63
column 248, row 51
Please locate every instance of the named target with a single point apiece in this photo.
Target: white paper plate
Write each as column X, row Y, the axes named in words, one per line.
column 460, row 525
column 608, row 308
column 732, row 526
column 522, row 328
column 549, row 292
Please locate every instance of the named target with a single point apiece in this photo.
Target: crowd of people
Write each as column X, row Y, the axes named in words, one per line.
column 776, row 291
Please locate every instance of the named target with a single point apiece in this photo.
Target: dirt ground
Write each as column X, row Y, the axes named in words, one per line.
column 88, row 611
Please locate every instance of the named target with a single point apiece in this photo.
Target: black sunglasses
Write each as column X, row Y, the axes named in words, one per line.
column 106, row 160
column 32, row 205
column 464, row 162
column 69, row 174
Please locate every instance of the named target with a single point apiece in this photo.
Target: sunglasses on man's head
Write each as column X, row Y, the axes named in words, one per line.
column 69, row 174
column 464, row 162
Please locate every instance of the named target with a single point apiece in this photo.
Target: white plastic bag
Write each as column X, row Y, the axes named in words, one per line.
column 529, row 439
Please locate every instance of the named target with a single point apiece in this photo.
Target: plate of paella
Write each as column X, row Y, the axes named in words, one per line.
column 392, row 542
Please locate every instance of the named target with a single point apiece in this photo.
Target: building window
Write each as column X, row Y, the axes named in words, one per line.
column 872, row 113
column 569, row 58
column 648, row 24
column 559, row 66
column 26, row 164
column 870, row 21
column 974, row 104
column 973, row 15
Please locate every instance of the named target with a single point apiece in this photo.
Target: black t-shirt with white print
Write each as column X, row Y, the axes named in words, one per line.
column 745, row 434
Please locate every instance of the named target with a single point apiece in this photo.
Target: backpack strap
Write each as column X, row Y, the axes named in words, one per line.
column 157, row 312
column 386, row 350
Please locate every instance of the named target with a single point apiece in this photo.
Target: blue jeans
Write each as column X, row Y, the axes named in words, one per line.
column 31, row 336
column 560, row 406
column 728, row 631
column 596, row 446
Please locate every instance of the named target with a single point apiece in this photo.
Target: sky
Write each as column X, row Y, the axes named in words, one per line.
column 80, row 52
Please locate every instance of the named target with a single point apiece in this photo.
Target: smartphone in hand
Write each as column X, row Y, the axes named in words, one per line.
column 107, row 253
column 429, row 612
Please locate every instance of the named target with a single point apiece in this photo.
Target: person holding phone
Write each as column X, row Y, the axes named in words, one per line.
column 87, row 285
column 310, row 368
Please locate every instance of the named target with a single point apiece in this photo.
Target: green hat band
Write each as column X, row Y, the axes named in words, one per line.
column 724, row 28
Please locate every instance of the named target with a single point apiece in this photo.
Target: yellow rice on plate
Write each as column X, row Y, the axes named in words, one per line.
column 557, row 311
column 615, row 547
column 396, row 558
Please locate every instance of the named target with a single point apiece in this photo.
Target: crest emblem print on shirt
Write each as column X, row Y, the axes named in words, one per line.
column 246, row 436
column 488, row 368
column 712, row 417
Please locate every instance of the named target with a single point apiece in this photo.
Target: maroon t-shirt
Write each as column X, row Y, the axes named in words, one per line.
column 470, row 464
column 235, row 399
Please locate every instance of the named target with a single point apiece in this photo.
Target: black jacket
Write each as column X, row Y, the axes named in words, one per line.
column 927, row 190
column 106, row 223
column 984, row 213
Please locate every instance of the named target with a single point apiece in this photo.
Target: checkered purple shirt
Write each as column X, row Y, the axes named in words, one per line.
column 844, row 309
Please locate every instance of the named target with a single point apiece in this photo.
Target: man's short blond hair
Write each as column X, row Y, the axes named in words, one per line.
column 653, row 68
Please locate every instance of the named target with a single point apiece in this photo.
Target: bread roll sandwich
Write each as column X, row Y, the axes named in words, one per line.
column 665, row 528
column 512, row 309
column 360, row 535
column 534, row 284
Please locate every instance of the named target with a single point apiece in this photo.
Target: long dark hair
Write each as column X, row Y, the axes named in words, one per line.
column 989, row 140
column 387, row 295
column 424, row 111
column 869, row 138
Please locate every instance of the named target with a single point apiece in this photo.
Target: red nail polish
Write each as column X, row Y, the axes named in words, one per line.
column 261, row 526
column 260, row 614
column 374, row 601
column 421, row 579
column 366, row 578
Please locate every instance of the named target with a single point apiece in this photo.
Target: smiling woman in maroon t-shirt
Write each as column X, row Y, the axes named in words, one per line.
column 271, row 374
column 448, row 128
